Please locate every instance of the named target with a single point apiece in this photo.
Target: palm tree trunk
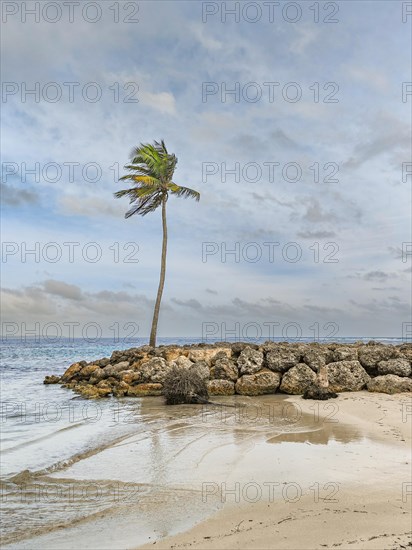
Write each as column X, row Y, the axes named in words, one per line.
column 153, row 332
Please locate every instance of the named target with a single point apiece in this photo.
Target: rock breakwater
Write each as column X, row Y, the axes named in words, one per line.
column 245, row 369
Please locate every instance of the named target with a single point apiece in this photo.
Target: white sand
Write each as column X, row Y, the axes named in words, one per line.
column 372, row 513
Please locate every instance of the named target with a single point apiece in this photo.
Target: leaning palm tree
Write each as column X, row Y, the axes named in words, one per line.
column 151, row 172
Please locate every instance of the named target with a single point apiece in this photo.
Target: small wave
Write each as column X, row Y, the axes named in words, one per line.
column 43, row 438
column 63, row 464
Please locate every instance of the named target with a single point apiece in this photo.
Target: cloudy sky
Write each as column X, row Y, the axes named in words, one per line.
column 293, row 128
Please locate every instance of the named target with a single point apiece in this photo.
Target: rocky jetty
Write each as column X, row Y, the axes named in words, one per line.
column 246, row 369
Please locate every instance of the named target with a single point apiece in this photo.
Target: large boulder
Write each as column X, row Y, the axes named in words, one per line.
column 207, row 354
column 120, row 389
column 405, row 351
column 371, row 355
column 182, row 362
column 72, row 371
column 171, row 353
column 346, row 376
column 155, row 370
column 400, row 367
column 297, row 379
column 238, row 347
column 345, row 353
column 260, row 383
column 224, row 369
column 282, row 358
column 119, row 356
column 87, row 371
column 114, row 370
column 316, row 357
column 52, row 379
column 221, row 387
column 390, row 383
column 131, row 376
column 97, row 375
column 102, row 362
column 250, row 361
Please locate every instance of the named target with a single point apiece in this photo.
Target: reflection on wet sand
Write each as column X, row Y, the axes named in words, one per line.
column 154, row 478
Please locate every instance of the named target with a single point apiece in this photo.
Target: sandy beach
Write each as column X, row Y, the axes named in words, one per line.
column 268, row 472
column 372, row 513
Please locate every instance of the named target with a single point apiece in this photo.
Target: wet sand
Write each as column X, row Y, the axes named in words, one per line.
column 372, row 509
column 267, row 472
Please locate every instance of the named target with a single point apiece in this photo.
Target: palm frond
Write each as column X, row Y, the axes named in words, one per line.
column 184, row 192
column 145, row 205
column 151, row 170
column 141, row 179
column 136, row 193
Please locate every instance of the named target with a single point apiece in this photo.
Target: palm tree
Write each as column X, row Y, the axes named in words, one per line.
column 151, row 171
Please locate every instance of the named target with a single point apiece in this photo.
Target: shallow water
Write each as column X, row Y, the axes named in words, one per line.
column 177, row 465
column 118, row 473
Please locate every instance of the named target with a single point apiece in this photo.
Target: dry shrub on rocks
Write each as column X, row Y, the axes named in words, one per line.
column 184, row 386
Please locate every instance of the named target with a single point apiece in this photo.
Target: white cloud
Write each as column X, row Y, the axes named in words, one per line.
column 164, row 102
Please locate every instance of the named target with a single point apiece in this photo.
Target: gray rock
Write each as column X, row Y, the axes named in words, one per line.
column 183, row 362
column 297, row 379
column 52, row 379
column 400, row 367
column 221, row 387
column 155, row 370
column 238, row 347
column 130, row 376
column 345, row 353
column 113, row 370
column 316, row 357
column 371, row 355
column 260, row 383
column 225, row 369
column 97, row 375
column 219, row 355
column 390, row 383
column 347, row 376
column 282, row 359
column 122, row 365
column 406, row 351
column 250, row 361
column 72, row 372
